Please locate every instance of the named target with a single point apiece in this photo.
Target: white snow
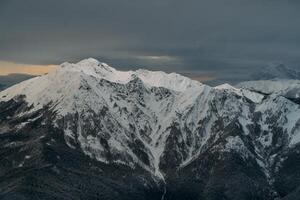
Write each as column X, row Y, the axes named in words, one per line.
column 151, row 107
column 226, row 86
column 253, row 96
column 290, row 88
column 61, row 85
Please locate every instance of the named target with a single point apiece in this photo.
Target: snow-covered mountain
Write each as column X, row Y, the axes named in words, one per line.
column 276, row 79
column 287, row 88
column 164, row 135
column 276, row 71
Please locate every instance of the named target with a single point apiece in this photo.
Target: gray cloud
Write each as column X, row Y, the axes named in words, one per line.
column 230, row 39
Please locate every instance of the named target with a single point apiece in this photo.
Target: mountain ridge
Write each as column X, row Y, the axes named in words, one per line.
column 276, row 71
column 176, row 131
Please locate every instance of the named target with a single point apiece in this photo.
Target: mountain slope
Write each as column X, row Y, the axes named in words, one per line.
column 163, row 134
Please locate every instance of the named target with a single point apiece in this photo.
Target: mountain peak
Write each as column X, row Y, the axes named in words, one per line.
column 93, row 67
column 89, row 66
column 93, row 62
column 225, row 86
column 64, row 85
column 89, row 61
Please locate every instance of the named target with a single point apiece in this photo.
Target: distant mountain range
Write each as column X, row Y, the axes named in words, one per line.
column 276, row 71
column 11, row 79
column 89, row 131
column 275, row 79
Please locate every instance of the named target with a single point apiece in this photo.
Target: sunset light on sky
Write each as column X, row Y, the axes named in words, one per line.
column 11, row 68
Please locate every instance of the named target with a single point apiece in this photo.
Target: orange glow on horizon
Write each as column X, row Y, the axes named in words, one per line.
column 12, row 68
column 203, row 78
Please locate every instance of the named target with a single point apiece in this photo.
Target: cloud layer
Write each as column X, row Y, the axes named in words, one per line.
column 229, row 39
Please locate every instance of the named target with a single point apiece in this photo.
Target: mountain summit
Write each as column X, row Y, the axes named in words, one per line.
column 89, row 131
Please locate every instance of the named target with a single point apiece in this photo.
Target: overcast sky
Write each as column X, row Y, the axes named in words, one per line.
column 222, row 39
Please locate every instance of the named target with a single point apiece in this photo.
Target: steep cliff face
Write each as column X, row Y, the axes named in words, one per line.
column 144, row 135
